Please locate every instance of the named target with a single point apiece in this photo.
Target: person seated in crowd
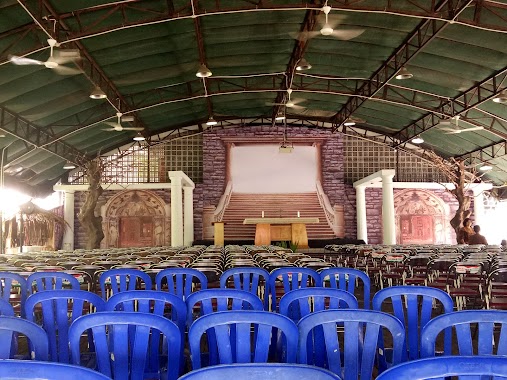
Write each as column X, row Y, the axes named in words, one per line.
column 503, row 243
column 477, row 238
column 465, row 232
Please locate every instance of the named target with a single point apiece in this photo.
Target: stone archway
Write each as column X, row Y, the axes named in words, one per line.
column 135, row 218
column 420, row 218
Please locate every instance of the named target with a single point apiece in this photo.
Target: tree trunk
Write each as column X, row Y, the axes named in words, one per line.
column 91, row 223
column 464, row 200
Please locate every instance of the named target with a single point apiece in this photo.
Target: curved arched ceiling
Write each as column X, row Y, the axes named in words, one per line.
column 144, row 54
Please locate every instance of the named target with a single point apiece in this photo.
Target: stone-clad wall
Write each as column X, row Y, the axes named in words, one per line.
column 214, row 165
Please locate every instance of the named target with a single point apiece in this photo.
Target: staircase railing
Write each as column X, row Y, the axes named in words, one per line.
column 223, row 203
column 326, row 206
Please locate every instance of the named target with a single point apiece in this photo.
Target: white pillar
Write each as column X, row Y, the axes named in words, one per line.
column 479, row 210
column 362, row 227
column 68, row 216
column 176, row 212
column 188, row 216
column 388, row 221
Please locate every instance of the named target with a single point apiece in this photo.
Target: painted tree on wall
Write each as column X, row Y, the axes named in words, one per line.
column 92, row 224
column 460, row 176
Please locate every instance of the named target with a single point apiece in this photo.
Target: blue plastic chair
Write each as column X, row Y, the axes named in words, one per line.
column 260, row 371
column 55, row 310
column 37, row 370
column 6, row 308
column 127, row 344
column 40, row 281
column 291, row 278
column 123, row 279
column 413, row 305
column 212, row 300
column 251, row 279
column 300, row 302
column 354, row 355
column 234, row 339
column 181, row 281
column 9, row 282
column 463, row 324
column 462, row 367
column 151, row 301
column 10, row 327
column 347, row 279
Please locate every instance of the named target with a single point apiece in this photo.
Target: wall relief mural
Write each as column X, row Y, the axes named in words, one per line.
column 421, row 218
column 136, row 218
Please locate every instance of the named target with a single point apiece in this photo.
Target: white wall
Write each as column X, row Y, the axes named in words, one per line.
column 262, row 169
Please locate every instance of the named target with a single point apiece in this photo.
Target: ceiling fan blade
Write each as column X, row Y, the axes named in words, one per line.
column 109, row 130
column 24, row 61
column 473, row 129
column 456, row 131
column 347, row 34
column 296, row 107
column 303, row 36
column 132, row 128
column 66, row 55
column 64, row 70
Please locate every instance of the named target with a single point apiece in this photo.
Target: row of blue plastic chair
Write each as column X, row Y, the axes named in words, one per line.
column 126, row 345
column 463, row 368
column 183, row 281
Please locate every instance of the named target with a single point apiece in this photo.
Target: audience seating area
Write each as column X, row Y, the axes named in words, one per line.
column 346, row 312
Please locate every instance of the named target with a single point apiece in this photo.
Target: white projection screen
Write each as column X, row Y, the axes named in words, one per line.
column 261, row 169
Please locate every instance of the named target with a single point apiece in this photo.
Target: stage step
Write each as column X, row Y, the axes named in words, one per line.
column 242, row 206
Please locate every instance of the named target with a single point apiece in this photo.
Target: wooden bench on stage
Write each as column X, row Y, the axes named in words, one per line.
column 280, row 229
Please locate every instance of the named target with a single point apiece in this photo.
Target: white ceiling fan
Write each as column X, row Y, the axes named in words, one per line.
column 329, row 28
column 452, row 129
column 117, row 127
column 289, row 103
column 57, row 58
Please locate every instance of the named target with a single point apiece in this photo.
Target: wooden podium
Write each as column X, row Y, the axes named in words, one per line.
column 219, row 233
column 280, row 229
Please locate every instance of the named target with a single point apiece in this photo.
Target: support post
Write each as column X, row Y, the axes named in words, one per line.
column 68, row 216
column 188, row 216
column 388, row 218
column 362, row 227
column 176, row 211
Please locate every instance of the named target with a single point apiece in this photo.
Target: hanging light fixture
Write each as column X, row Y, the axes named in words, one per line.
column 303, row 64
column 69, row 166
column 139, row 137
column 211, row 121
column 418, row 140
column 485, row 167
column 349, row 123
column 97, row 93
column 280, row 116
column 501, row 97
column 404, row 74
column 203, row 71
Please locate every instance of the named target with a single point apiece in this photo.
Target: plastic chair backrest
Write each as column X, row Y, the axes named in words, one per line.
column 291, row 278
column 51, row 281
column 6, row 308
column 464, row 324
column 460, row 367
column 346, row 279
column 213, row 300
column 413, row 305
column 151, row 301
column 123, row 279
column 10, row 281
column 37, row 370
column 357, row 355
column 180, row 281
column 234, row 339
column 38, row 340
column 260, row 371
column 300, row 302
column 127, row 344
column 251, row 279
column 59, row 309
